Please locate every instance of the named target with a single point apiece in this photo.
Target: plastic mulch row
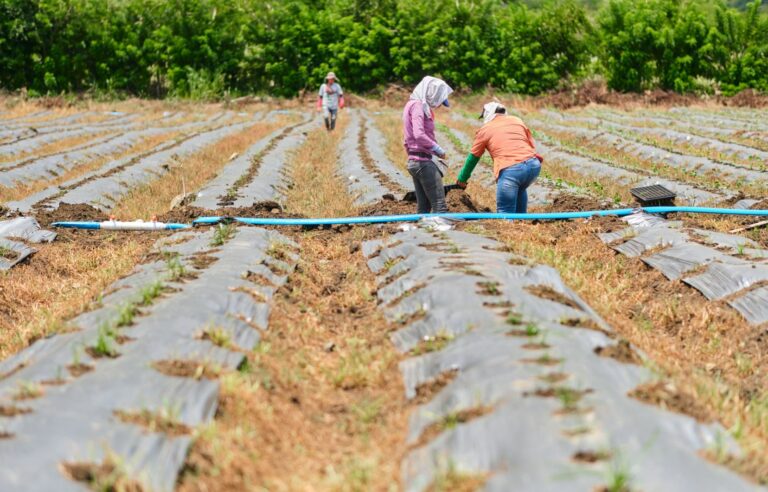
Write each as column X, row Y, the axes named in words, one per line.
column 524, row 397
column 60, row 396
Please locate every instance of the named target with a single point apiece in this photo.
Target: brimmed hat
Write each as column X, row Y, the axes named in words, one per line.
column 331, row 75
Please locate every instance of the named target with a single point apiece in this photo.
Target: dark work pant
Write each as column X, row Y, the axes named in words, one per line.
column 330, row 118
column 428, row 184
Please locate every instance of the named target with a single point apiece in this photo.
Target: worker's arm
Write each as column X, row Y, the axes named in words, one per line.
column 422, row 139
column 466, row 171
column 478, row 148
column 341, row 98
column 320, row 97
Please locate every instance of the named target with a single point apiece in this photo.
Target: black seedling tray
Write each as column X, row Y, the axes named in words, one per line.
column 653, row 195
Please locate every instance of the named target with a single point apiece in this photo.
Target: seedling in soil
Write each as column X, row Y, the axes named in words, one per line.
column 531, row 330
column 223, row 233
column 109, row 475
column 391, row 262
column 539, row 344
column 569, row 397
column 618, row 479
column 279, row 250
column 451, row 421
column 432, row 343
column 165, row 421
column 7, row 253
column 126, row 314
column 151, row 292
column 28, row 391
column 218, row 336
column 514, row 318
column 489, row 288
column 176, row 269
column 451, row 480
column 455, row 249
column 104, row 346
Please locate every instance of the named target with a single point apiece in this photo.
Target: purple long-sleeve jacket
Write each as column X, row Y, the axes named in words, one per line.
column 418, row 132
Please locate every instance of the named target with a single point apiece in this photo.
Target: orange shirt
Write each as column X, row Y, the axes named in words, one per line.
column 508, row 141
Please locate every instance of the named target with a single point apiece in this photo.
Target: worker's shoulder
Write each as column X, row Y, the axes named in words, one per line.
column 510, row 119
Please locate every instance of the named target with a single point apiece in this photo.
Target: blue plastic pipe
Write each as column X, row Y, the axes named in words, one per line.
column 97, row 225
column 380, row 219
column 621, row 212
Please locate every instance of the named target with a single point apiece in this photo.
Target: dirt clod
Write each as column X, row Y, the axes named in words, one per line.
column 153, row 422
column 104, row 476
column 186, row 369
column 622, row 352
column 79, row 369
column 12, row 410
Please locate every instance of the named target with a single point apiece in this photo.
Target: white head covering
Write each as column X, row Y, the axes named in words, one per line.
column 489, row 111
column 431, row 92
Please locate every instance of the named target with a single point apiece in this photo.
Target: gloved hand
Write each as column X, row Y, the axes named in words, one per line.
column 438, row 151
column 461, row 185
column 341, row 102
column 319, row 104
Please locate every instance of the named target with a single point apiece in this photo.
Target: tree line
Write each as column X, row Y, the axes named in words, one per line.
column 209, row 48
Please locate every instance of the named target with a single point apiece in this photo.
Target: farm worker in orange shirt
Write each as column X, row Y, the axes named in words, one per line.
column 516, row 165
column 330, row 99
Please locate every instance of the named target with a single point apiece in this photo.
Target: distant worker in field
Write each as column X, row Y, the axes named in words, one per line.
column 516, row 165
column 420, row 143
column 329, row 100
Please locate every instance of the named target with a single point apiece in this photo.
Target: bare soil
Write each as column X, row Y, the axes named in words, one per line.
column 457, row 201
column 575, row 203
column 621, row 351
column 669, row 397
column 70, row 212
column 186, row 214
column 322, row 393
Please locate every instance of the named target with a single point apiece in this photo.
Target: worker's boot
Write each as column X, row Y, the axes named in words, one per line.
column 327, row 123
column 333, row 122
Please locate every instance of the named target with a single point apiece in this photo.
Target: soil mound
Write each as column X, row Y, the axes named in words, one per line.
column 71, row 212
column 188, row 213
column 458, row 201
column 575, row 203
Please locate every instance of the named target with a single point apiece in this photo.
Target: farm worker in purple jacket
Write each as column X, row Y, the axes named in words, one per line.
column 420, row 143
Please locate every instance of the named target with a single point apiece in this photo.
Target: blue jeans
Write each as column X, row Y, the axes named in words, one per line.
column 512, row 186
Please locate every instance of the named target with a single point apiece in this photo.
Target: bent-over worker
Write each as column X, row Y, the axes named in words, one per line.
column 420, row 144
column 516, row 165
column 330, row 99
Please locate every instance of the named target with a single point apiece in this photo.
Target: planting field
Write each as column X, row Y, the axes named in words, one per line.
column 606, row 353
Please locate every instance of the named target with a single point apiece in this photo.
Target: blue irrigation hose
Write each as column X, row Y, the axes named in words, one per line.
column 621, row 212
column 380, row 219
column 97, row 225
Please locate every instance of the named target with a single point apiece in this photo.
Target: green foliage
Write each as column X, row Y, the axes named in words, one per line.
column 683, row 45
column 206, row 49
